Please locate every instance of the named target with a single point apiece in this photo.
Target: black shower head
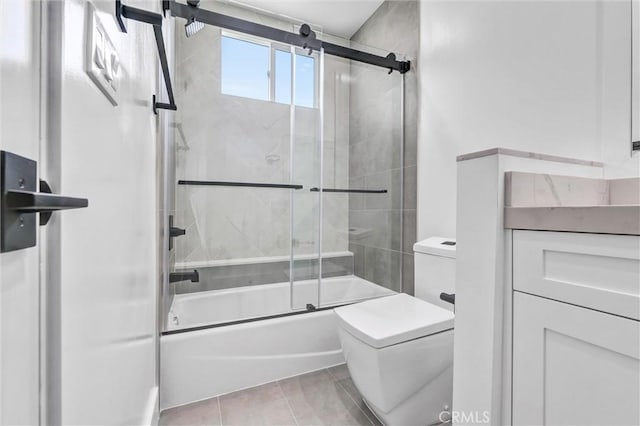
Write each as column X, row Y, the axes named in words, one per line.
column 192, row 26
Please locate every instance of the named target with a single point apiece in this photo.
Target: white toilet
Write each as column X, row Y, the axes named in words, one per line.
column 399, row 349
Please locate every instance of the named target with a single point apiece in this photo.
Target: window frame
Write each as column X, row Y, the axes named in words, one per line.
column 273, row 47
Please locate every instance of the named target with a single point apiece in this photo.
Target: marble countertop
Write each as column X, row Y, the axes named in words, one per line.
column 572, row 204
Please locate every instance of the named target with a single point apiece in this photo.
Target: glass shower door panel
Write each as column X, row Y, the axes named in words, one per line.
column 306, row 146
column 362, row 223
column 337, row 262
column 230, row 146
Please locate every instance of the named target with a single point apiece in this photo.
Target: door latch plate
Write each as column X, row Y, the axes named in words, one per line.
column 20, row 200
column 18, row 229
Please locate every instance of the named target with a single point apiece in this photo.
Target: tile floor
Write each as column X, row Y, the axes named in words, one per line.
column 324, row 397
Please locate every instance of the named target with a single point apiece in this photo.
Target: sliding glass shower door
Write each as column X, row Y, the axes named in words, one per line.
column 306, row 168
column 285, row 173
column 247, row 141
column 362, row 194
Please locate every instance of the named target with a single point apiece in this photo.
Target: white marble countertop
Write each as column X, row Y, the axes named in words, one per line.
column 610, row 219
column 565, row 203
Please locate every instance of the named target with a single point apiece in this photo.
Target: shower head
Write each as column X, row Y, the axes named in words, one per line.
column 192, row 26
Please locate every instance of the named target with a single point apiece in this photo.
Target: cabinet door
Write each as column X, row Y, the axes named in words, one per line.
column 597, row 271
column 573, row 366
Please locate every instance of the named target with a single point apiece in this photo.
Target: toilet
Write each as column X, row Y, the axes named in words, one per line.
column 399, row 348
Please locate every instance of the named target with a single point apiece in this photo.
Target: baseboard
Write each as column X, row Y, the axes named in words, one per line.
column 152, row 410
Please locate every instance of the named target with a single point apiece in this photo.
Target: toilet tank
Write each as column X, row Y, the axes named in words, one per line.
column 435, row 269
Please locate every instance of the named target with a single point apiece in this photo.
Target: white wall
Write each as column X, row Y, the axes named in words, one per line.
column 543, row 76
column 108, row 273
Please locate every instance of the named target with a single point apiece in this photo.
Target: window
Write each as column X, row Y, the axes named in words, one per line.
column 305, row 84
column 245, row 68
column 282, row 92
column 257, row 69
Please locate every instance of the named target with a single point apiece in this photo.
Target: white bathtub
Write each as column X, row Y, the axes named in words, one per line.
column 204, row 363
column 220, row 306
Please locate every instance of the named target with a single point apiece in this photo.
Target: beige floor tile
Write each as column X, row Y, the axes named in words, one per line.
column 350, row 387
column 204, row 413
column 316, row 399
column 339, row 372
column 262, row 405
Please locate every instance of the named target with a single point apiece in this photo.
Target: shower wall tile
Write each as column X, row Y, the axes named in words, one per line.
column 375, row 228
column 410, row 181
column 358, row 259
column 389, row 180
column 399, row 19
column 383, row 267
column 222, row 137
column 233, row 276
column 356, row 201
column 395, row 228
column 408, row 277
column 335, row 219
column 410, row 233
column 375, row 130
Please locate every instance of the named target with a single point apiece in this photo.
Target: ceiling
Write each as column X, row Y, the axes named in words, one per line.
column 336, row 17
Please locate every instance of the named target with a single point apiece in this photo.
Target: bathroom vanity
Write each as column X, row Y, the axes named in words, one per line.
column 575, row 298
column 576, row 335
column 547, row 291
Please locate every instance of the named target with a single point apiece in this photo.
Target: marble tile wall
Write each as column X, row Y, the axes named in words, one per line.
column 221, row 137
column 233, row 276
column 374, row 151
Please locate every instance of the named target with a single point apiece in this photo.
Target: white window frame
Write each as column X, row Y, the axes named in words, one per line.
column 273, row 47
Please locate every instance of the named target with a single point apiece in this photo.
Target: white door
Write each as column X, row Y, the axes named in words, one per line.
column 29, row 251
column 19, row 272
column 573, row 366
column 635, row 73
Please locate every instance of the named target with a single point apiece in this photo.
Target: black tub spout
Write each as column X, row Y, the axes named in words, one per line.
column 192, row 276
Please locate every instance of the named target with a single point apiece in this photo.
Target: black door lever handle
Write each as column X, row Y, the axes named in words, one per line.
column 43, row 202
column 21, row 197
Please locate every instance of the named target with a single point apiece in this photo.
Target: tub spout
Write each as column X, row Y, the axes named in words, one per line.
column 192, row 276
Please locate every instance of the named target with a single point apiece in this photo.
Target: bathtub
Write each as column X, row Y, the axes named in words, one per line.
column 203, row 362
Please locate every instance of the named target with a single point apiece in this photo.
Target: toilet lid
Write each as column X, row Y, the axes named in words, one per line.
column 393, row 319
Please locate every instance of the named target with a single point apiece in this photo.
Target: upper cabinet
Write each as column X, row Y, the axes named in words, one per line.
column 635, row 74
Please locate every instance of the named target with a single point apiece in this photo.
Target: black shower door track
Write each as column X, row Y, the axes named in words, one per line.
column 306, row 39
column 246, row 320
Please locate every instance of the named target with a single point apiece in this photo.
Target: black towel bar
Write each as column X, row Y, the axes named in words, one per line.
column 243, row 184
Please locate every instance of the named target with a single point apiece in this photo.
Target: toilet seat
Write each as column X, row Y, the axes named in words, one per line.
column 393, row 319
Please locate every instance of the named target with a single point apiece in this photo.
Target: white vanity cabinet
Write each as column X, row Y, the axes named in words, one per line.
column 576, row 334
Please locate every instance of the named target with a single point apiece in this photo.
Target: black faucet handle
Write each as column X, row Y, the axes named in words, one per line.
column 449, row 298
